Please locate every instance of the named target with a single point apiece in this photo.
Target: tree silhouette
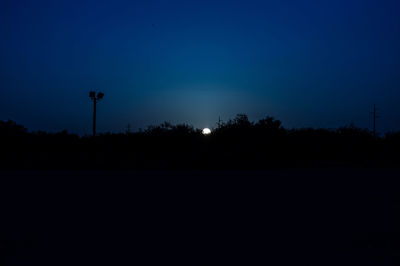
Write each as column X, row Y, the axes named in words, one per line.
column 238, row 143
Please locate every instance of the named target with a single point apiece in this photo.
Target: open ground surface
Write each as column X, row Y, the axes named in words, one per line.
column 303, row 216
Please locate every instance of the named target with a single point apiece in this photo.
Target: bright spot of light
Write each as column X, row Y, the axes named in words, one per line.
column 206, row 131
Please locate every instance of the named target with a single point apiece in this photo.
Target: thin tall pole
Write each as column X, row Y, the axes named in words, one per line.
column 94, row 116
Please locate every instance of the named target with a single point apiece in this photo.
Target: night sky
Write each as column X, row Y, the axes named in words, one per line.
column 308, row 63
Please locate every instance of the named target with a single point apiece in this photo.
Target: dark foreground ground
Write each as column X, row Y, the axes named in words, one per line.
column 282, row 217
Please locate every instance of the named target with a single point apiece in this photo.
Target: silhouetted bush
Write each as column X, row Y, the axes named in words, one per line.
column 238, row 143
column 11, row 129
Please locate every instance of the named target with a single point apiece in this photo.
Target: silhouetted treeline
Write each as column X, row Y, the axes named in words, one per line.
column 236, row 144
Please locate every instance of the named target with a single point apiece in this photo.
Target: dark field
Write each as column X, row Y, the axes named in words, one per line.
column 283, row 217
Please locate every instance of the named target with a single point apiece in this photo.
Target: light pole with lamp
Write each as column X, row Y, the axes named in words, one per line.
column 95, row 98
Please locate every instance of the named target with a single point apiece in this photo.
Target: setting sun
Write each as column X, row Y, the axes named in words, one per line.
column 206, row 131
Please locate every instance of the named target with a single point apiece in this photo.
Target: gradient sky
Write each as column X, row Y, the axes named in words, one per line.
column 308, row 63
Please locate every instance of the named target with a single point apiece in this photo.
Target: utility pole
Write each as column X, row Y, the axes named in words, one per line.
column 94, row 116
column 219, row 121
column 95, row 98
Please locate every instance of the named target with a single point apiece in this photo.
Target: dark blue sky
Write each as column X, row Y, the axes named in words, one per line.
column 307, row 62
